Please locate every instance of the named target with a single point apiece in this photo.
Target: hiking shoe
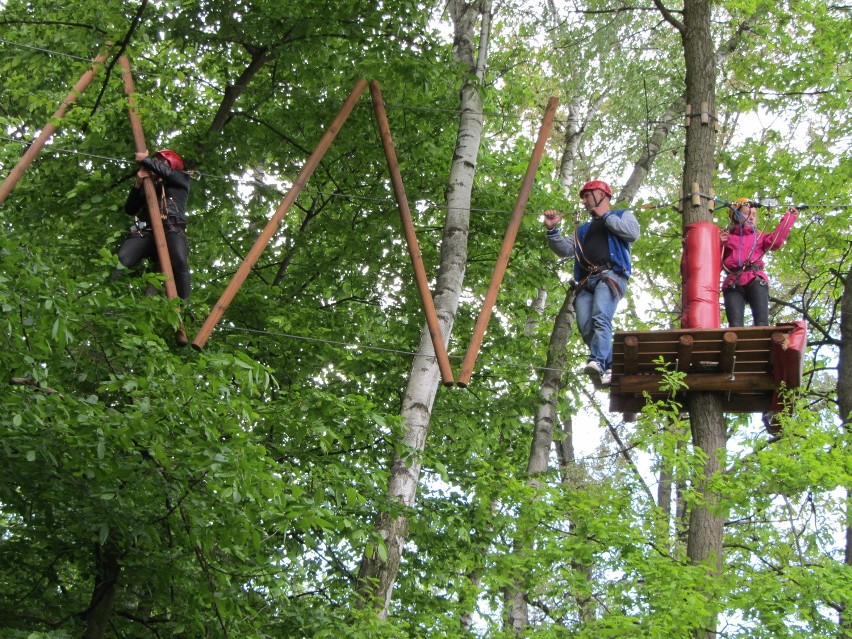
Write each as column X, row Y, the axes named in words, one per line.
column 594, row 370
column 606, row 378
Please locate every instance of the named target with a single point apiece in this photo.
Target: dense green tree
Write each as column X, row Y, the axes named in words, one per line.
column 148, row 490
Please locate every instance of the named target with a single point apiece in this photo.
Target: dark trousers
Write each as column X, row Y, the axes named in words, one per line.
column 756, row 295
column 138, row 246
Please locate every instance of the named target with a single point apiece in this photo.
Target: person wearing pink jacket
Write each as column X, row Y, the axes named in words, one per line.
column 743, row 247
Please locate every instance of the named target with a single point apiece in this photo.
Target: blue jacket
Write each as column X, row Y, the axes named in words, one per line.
column 622, row 230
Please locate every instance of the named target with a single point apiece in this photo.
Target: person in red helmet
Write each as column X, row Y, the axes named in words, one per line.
column 601, row 252
column 743, row 248
column 171, row 183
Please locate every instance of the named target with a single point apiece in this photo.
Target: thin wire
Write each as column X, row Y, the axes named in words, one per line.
column 413, row 108
column 382, row 349
column 43, row 50
column 255, row 182
column 365, row 198
column 59, row 150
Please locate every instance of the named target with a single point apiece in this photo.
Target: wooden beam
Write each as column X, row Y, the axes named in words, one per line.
column 629, row 405
column 728, row 355
column 432, row 321
column 631, row 354
column 274, row 222
column 506, row 248
column 703, row 382
column 684, row 352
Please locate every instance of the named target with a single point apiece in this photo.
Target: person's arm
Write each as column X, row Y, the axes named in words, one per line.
column 176, row 184
column 624, row 225
column 773, row 241
column 169, row 175
column 562, row 246
column 135, row 203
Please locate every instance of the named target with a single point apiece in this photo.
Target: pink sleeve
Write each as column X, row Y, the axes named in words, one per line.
column 774, row 240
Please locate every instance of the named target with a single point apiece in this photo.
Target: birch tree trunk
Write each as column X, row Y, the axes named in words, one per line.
column 643, row 165
column 575, row 130
column 844, row 398
column 376, row 577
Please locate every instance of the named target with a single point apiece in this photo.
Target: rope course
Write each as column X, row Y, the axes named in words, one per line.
column 200, row 175
column 389, row 105
column 629, row 359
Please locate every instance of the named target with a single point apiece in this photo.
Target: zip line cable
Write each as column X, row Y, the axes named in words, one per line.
column 381, row 349
column 365, row 198
column 388, row 105
column 401, row 106
column 43, row 50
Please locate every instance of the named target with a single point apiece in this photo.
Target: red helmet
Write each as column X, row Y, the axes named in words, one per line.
column 172, row 159
column 596, row 184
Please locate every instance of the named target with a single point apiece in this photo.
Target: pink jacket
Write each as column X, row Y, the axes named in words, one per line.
column 742, row 254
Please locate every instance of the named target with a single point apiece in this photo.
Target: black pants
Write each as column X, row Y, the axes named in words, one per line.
column 756, row 295
column 138, row 246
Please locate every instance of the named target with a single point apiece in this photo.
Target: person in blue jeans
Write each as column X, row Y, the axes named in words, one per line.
column 601, row 251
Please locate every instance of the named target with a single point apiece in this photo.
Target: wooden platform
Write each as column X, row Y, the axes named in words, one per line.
column 744, row 365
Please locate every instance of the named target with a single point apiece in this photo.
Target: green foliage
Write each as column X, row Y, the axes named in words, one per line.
column 238, row 487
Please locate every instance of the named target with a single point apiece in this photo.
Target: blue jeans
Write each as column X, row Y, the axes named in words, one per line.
column 595, row 304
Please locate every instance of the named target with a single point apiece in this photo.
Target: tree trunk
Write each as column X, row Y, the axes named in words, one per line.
column 259, row 57
column 551, row 385
column 537, row 311
column 652, row 149
column 844, row 398
column 376, row 577
column 107, row 569
column 706, row 519
column 514, row 597
column 706, row 522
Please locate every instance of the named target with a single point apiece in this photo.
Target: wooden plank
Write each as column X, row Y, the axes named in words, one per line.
column 697, row 382
column 699, row 345
column 748, row 368
column 736, row 403
column 744, row 332
column 753, row 355
column 735, row 362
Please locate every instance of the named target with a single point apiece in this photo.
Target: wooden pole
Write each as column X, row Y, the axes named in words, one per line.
column 411, row 238
column 272, row 226
column 631, row 354
column 685, row 344
column 506, row 248
column 727, row 357
column 49, row 129
column 150, row 193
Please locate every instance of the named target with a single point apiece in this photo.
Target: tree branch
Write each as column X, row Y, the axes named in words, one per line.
column 25, row 381
column 669, row 16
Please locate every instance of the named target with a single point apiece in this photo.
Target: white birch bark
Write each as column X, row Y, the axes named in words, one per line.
column 377, row 577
